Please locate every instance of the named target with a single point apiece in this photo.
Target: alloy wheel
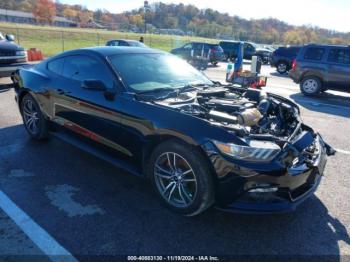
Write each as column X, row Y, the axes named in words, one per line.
column 310, row 86
column 31, row 116
column 175, row 180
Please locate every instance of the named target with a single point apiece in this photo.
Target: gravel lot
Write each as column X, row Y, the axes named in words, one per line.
column 91, row 208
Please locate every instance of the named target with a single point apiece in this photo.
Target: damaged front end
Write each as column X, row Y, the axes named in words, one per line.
column 278, row 161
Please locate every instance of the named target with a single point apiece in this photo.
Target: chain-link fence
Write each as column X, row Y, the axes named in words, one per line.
column 55, row 40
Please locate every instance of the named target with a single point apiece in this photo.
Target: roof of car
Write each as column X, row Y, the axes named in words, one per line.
column 197, row 42
column 324, row 45
column 125, row 40
column 112, row 50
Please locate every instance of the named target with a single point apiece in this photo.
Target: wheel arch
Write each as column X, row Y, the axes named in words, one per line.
column 20, row 97
column 154, row 141
column 279, row 61
column 312, row 74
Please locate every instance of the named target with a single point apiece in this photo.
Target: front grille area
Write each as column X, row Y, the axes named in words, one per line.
column 7, row 53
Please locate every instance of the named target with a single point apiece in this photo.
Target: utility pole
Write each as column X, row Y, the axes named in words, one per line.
column 147, row 9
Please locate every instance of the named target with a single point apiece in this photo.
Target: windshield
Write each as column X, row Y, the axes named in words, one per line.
column 1, row 36
column 148, row 72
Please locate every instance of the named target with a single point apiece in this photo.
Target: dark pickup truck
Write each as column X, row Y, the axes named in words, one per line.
column 283, row 57
column 12, row 56
column 250, row 49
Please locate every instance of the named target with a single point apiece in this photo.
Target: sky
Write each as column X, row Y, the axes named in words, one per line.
column 330, row 14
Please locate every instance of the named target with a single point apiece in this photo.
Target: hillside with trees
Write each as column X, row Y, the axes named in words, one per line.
column 187, row 18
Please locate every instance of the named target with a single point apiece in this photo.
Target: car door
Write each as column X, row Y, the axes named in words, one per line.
column 339, row 68
column 87, row 112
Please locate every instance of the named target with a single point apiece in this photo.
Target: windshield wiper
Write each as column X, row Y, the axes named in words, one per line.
column 194, row 87
column 157, row 90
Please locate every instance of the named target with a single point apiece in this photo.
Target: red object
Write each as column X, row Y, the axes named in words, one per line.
column 29, row 55
column 294, row 64
column 40, row 55
column 34, row 54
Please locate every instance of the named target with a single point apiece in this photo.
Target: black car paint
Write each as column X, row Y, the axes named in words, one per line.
column 333, row 75
column 132, row 128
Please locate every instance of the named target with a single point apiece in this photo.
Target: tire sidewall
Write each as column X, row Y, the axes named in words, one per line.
column 279, row 71
column 318, row 89
column 205, row 193
column 43, row 126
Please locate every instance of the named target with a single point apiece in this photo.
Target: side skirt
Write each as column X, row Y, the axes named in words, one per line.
column 66, row 137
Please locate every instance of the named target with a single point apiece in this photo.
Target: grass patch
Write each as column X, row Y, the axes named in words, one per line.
column 53, row 40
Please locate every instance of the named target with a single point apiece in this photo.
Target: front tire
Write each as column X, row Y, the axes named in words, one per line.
column 181, row 177
column 311, row 86
column 33, row 119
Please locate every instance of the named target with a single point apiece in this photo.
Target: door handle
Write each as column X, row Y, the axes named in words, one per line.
column 60, row 91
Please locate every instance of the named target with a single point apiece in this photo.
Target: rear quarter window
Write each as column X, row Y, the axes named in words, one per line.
column 340, row 56
column 56, row 66
column 314, row 53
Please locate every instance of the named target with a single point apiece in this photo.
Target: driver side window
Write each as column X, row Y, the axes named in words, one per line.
column 82, row 67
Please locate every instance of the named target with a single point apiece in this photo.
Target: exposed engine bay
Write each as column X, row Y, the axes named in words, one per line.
column 245, row 111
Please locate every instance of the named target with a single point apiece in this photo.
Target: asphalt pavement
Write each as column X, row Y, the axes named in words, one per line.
column 57, row 200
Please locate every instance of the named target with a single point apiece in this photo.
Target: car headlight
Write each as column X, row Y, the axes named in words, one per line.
column 21, row 53
column 256, row 151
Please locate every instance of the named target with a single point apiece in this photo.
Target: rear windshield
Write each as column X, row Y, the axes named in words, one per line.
column 136, row 43
column 314, row 53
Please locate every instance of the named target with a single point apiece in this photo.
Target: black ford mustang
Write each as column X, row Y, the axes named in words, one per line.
column 199, row 142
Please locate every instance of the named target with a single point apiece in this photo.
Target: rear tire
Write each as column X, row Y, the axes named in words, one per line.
column 33, row 119
column 185, row 187
column 214, row 63
column 311, row 86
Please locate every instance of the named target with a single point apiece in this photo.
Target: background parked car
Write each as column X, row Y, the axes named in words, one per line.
column 283, row 57
column 213, row 51
column 123, row 42
column 321, row 67
column 11, row 55
column 250, row 49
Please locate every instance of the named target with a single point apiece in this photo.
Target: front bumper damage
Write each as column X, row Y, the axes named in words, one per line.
column 276, row 187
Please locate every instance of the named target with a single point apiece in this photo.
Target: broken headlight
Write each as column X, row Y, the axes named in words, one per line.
column 256, row 151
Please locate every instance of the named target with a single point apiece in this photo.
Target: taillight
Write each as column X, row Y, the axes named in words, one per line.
column 294, row 64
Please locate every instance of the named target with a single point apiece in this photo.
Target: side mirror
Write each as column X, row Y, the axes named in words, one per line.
column 94, row 85
column 10, row 38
